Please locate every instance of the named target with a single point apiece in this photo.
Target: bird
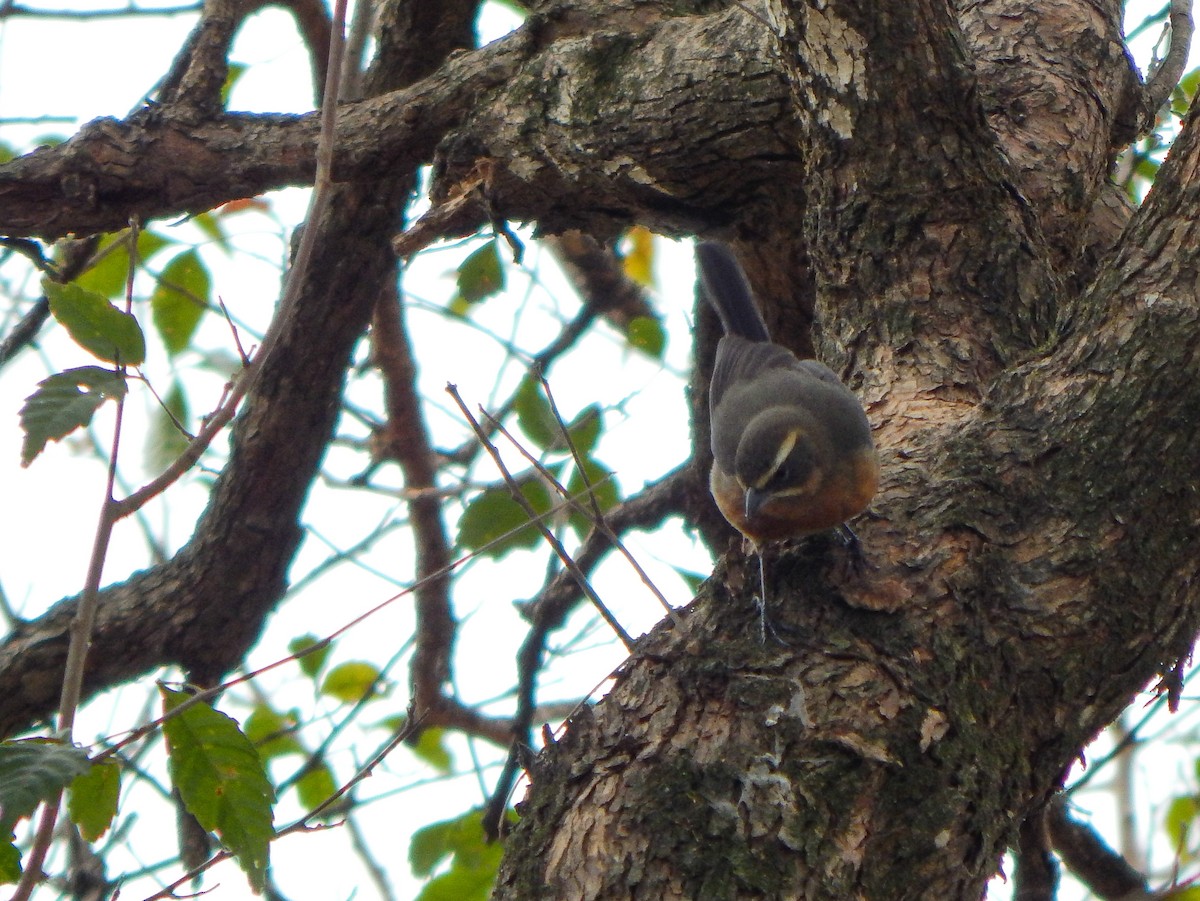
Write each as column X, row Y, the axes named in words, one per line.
column 792, row 448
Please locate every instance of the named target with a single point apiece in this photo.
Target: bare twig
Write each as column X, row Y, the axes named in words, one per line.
column 406, row 439
column 1167, row 74
column 597, row 276
column 598, row 519
column 551, row 539
column 84, row 622
column 15, row 11
column 1085, row 854
column 548, row 611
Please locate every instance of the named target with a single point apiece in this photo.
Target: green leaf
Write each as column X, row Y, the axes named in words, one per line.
column 603, row 488
column 222, row 782
column 64, row 402
column 473, row 862
column 96, row 325
column 164, row 440
column 92, row 799
column 210, row 224
column 1180, row 818
column 431, row 747
column 10, row 861
column 645, row 333
column 310, row 663
column 584, row 429
column 494, row 516
column 272, row 733
column 107, row 277
column 316, row 787
column 233, row 73
column 33, row 771
column 479, row 277
column 350, row 682
column 180, row 299
column 534, row 415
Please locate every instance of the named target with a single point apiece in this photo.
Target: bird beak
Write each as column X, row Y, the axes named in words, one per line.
column 754, row 501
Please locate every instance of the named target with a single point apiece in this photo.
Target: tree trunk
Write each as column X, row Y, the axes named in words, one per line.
column 1032, row 553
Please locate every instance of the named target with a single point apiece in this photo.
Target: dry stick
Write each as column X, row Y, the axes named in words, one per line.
column 530, row 655
column 595, row 515
column 554, row 543
column 83, row 623
column 599, row 520
column 407, row 441
column 1164, row 79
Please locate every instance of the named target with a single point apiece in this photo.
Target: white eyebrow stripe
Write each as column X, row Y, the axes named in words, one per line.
column 785, row 448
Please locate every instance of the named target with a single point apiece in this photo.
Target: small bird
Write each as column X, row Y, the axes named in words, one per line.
column 792, row 448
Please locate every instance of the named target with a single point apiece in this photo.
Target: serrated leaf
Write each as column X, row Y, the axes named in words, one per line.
column 107, row 277
column 493, row 515
column 179, row 300
column 350, row 682
column 431, row 747
column 222, row 781
column 638, row 262
column 534, row 414
column 96, row 325
column 33, row 771
column 312, row 662
column 603, row 489
column 164, row 440
column 272, row 733
column 92, row 799
column 473, row 864
column 645, row 333
column 479, row 277
column 315, row 787
column 64, row 402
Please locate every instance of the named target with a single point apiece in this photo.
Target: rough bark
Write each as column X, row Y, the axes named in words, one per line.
column 919, row 192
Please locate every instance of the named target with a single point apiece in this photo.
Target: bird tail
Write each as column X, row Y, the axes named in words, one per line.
column 728, row 291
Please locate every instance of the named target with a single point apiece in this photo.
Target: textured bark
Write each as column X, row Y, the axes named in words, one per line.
column 1032, row 551
column 919, row 194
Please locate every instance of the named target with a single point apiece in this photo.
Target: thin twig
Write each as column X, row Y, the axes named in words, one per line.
column 406, row 439
column 1166, row 76
column 598, row 519
column 551, row 539
column 84, row 621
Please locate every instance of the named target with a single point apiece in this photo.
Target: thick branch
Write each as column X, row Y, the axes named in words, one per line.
column 153, row 165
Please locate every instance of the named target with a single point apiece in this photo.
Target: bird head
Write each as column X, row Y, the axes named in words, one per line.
column 776, row 459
